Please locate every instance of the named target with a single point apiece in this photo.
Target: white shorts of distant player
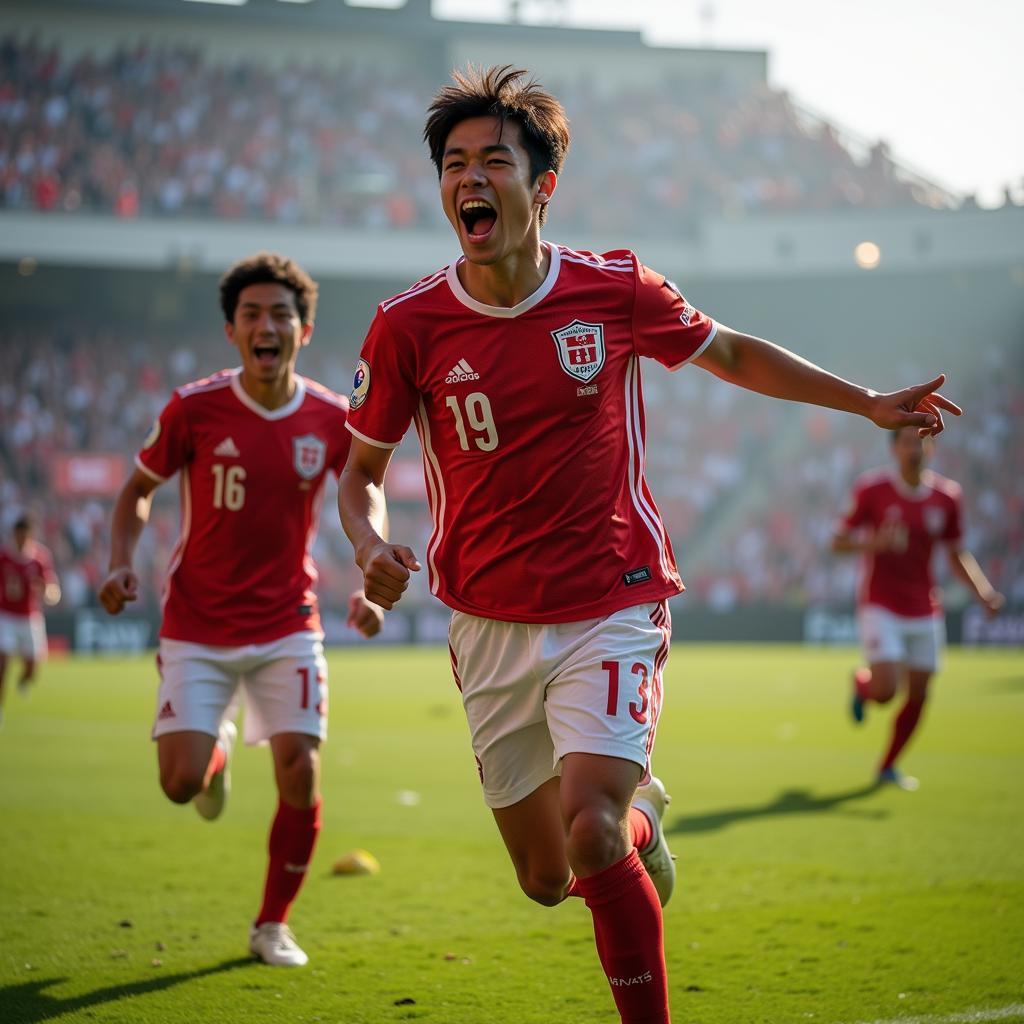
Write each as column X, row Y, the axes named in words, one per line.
column 534, row 693
column 912, row 641
column 23, row 636
column 283, row 684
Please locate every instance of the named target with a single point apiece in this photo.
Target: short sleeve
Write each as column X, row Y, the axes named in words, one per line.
column 384, row 395
column 666, row 326
column 168, row 445
column 856, row 513
column 954, row 530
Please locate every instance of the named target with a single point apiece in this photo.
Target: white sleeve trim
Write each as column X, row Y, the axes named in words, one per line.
column 704, row 344
column 373, row 441
column 145, row 469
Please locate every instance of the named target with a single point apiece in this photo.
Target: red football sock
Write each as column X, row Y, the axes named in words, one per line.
column 630, row 941
column 292, row 838
column 641, row 828
column 902, row 729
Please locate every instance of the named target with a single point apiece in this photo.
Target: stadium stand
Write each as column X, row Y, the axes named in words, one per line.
column 162, row 131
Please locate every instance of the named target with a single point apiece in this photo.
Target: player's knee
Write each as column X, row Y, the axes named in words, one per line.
column 297, row 780
column 546, row 887
column 595, row 839
column 180, row 785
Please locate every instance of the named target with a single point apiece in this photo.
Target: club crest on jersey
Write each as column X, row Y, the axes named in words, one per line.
column 580, row 349
column 310, row 454
column 360, row 384
column 934, row 519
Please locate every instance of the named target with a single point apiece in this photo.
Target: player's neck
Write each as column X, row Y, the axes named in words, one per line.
column 911, row 477
column 270, row 394
column 507, row 283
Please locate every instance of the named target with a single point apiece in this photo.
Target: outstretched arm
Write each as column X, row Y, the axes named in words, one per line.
column 759, row 365
column 965, row 567
column 363, row 509
column 131, row 513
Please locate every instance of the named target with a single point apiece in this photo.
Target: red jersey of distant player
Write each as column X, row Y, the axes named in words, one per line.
column 24, row 576
column 252, row 483
column 531, row 422
column 901, row 580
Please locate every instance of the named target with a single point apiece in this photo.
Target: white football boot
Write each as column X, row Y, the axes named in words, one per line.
column 210, row 802
column 656, row 858
column 274, row 943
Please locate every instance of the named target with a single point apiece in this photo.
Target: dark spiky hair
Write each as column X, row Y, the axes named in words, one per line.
column 503, row 92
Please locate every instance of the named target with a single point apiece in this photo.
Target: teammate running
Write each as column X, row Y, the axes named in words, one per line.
column 895, row 519
column 519, row 364
column 253, row 446
column 27, row 583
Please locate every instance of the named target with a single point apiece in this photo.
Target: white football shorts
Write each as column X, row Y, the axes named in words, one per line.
column 534, row 693
column 23, row 636
column 283, row 683
column 912, row 641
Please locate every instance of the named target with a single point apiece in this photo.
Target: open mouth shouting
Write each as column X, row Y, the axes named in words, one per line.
column 266, row 353
column 478, row 218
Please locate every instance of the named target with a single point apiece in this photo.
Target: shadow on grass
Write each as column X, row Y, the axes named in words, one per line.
column 790, row 801
column 29, row 1003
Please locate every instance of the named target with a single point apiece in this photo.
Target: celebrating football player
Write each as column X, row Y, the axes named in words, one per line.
column 253, row 446
column 520, row 365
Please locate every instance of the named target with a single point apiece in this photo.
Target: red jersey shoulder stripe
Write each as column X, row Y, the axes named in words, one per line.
column 221, row 379
column 423, row 285
column 619, row 264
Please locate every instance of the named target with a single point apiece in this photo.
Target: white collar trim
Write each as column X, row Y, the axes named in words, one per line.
column 918, row 493
column 262, row 411
column 506, row 312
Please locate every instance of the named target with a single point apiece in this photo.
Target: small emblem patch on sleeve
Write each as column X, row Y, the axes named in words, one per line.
column 641, row 575
column 360, row 384
column 152, row 436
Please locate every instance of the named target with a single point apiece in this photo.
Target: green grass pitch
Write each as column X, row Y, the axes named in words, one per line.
column 804, row 894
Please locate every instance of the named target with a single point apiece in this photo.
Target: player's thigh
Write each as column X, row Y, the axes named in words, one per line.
column 534, row 836
column 881, row 636
column 607, row 694
column 286, row 690
column 925, row 639
column 183, row 758
column 497, row 668
column 197, row 684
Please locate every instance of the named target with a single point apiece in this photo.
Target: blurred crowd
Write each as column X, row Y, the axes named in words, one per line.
column 750, row 489
column 161, row 131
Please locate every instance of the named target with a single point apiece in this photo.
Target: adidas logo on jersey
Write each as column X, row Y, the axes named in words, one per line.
column 167, row 711
column 227, row 447
column 460, row 373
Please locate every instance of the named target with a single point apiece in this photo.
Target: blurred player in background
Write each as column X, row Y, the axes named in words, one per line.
column 27, row 583
column 895, row 519
column 519, row 363
column 253, row 446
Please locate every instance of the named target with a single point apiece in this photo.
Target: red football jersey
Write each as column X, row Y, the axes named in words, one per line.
column 901, row 580
column 531, row 422
column 23, row 577
column 252, row 482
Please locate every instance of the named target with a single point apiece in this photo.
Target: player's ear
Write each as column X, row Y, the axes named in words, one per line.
column 546, row 185
column 305, row 335
column 229, row 332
